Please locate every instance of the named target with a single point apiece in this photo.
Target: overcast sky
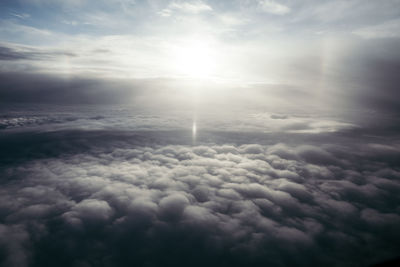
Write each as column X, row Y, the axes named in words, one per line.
column 311, row 55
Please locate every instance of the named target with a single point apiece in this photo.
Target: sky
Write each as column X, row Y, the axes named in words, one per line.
column 339, row 56
column 199, row 133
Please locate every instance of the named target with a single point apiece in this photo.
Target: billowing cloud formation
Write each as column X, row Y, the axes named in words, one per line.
column 119, row 202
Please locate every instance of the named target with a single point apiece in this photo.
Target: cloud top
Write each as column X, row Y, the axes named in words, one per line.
column 220, row 205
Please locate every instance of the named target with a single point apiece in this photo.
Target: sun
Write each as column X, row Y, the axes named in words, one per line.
column 195, row 58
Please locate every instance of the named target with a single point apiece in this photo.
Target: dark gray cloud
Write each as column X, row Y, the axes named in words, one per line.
column 149, row 199
column 11, row 53
column 36, row 88
column 7, row 53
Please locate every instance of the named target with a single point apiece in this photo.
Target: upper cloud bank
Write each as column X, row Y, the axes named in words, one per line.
column 336, row 54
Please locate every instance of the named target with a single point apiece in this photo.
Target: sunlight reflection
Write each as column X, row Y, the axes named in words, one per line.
column 194, row 131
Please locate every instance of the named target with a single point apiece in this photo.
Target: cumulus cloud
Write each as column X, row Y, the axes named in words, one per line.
column 122, row 202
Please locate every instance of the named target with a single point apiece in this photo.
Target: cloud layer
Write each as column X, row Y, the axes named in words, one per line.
column 120, row 202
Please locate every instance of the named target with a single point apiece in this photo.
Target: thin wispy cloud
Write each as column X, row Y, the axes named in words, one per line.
column 273, row 7
column 20, row 16
column 388, row 29
column 193, row 7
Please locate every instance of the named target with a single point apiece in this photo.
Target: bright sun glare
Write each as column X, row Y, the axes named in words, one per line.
column 195, row 58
